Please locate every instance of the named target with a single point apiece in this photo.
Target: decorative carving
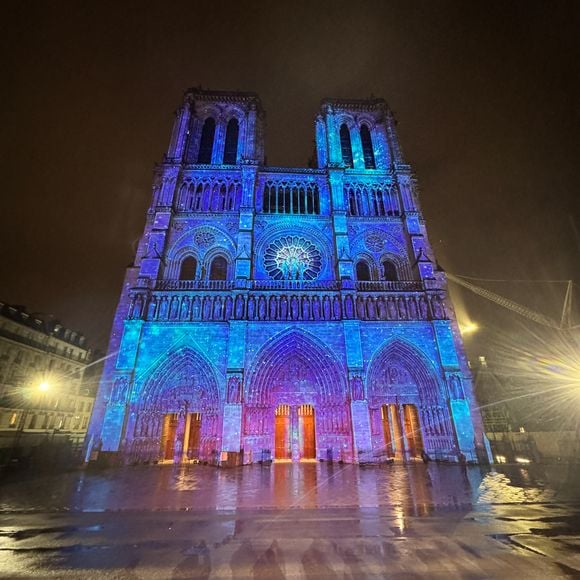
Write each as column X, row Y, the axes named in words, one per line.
column 292, row 258
column 455, row 387
column 204, row 238
column 119, row 392
column 357, row 388
column 397, row 375
column 374, row 242
column 234, row 389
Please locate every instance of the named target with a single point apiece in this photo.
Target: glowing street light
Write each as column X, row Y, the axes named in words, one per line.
column 469, row 328
column 44, row 386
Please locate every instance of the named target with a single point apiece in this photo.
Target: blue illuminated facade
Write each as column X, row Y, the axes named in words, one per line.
column 284, row 313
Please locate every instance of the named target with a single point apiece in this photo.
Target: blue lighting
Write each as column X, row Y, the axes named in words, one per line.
column 309, row 323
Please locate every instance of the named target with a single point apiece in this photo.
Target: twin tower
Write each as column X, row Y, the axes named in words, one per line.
column 286, row 314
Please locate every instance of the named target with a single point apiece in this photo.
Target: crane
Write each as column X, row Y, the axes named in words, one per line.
column 565, row 322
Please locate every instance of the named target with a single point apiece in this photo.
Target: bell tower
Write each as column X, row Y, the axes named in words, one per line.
column 217, row 128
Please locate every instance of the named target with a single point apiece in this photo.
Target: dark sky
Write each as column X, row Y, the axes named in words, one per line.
column 486, row 95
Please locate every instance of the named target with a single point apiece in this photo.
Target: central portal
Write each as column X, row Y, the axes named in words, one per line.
column 294, row 433
column 180, row 437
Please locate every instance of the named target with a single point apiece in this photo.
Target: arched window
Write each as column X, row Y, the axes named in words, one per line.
column 206, row 141
column 390, row 271
column 188, row 268
column 345, row 146
column 218, row 269
column 352, row 208
column 367, row 147
column 363, row 272
column 231, row 146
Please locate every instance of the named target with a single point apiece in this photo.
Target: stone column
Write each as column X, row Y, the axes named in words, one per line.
column 295, row 433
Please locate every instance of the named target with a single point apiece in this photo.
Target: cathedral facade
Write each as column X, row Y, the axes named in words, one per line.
column 277, row 313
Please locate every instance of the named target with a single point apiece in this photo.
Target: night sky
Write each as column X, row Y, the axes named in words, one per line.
column 487, row 97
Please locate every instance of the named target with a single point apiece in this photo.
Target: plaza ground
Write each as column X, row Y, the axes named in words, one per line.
column 289, row 520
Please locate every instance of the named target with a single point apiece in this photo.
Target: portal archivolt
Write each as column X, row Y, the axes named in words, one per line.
column 177, row 417
column 296, row 401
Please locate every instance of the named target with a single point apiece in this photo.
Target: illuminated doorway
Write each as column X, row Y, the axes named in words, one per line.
column 283, row 442
column 413, row 430
column 168, row 436
column 307, row 432
column 387, row 424
column 193, row 433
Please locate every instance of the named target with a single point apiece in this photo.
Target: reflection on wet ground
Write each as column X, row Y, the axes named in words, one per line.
column 286, row 485
column 289, row 520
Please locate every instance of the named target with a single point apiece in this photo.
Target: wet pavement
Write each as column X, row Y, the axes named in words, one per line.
column 293, row 521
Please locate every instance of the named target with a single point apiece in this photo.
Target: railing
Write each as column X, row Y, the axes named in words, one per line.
column 294, row 285
column 194, row 284
column 389, row 286
column 330, row 285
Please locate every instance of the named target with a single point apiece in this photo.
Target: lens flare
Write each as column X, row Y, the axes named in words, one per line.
column 542, row 368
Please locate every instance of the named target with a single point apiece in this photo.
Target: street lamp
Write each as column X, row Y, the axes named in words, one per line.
column 44, row 386
column 468, row 328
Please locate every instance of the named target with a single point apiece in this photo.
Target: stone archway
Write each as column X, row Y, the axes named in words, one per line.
column 408, row 413
column 177, row 417
column 297, row 381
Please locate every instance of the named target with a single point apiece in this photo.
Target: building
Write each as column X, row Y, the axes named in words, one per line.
column 284, row 313
column 41, row 390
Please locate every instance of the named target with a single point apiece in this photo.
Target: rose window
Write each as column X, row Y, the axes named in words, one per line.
column 292, row 258
column 204, row 238
column 374, row 242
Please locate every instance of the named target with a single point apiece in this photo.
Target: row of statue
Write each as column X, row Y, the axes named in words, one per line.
column 282, row 307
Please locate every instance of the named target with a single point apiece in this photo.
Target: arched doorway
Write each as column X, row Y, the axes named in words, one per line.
column 177, row 417
column 296, row 404
column 407, row 413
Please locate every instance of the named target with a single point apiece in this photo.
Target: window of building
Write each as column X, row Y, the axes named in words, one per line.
column 301, row 198
column 188, row 268
column 389, row 271
column 363, row 271
column 345, row 146
column 218, row 269
column 231, row 145
column 371, row 200
column 367, row 147
column 206, row 141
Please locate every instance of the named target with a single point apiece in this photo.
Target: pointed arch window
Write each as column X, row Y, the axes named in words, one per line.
column 231, row 145
column 363, row 271
column 206, row 141
column 218, row 269
column 367, row 147
column 390, row 271
column 346, row 146
column 188, row 268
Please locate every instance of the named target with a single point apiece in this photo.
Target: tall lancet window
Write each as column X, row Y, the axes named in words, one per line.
column 231, row 146
column 206, row 141
column 363, row 272
column 345, row 146
column 367, row 147
column 188, row 268
column 218, row 269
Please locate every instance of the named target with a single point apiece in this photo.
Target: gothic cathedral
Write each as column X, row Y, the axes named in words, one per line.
column 285, row 314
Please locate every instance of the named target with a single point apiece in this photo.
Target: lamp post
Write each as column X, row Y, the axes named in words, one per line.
column 42, row 387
